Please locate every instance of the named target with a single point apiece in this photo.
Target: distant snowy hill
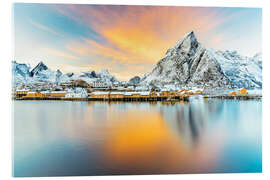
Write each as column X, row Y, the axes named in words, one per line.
column 91, row 76
column 42, row 74
column 190, row 64
column 38, row 69
column 258, row 59
column 21, row 73
column 134, row 81
column 241, row 71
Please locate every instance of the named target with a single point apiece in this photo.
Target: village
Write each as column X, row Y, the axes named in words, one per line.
column 79, row 93
column 99, row 91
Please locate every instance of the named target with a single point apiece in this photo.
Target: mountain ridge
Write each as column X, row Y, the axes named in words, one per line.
column 42, row 74
column 187, row 64
column 190, row 64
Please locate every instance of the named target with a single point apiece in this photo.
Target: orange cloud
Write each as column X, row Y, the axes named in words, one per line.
column 61, row 53
column 91, row 48
column 141, row 31
column 138, row 34
column 120, row 64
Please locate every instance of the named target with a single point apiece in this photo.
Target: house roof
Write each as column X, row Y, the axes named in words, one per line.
column 22, row 90
column 58, row 92
column 100, row 92
column 145, row 93
column 117, row 92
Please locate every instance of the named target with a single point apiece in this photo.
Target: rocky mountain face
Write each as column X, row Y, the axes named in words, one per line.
column 22, row 70
column 258, row 59
column 22, row 75
column 42, row 73
column 190, row 64
column 241, row 71
column 134, row 81
column 38, row 69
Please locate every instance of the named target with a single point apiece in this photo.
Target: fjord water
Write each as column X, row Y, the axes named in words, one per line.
column 62, row 138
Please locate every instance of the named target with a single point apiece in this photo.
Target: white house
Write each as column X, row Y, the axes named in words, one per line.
column 76, row 92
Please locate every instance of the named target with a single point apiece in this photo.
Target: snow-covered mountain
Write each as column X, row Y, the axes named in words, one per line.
column 42, row 74
column 38, row 69
column 91, row 76
column 242, row 71
column 190, row 64
column 20, row 73
column 20, row 69
column 134, row 81
column 258, row 59
column 187, row 64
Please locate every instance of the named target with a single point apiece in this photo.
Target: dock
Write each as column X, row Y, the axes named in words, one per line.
column 125, row 96
column 234, row 97
column 125, row 99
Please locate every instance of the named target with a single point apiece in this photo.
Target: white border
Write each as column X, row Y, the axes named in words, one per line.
column 5, row 89
column 222, row 3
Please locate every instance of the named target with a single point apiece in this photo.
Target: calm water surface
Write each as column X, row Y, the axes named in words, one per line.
column 57, row 138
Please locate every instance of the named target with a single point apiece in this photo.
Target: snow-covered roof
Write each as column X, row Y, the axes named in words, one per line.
column 130, row 93
column 117, row 92
column 145, row 93
column 164, row 89
column 182, row 92
column 22, row 90
column 100, row 92
column 142, row 88
column 120, row 88
column 58, row 92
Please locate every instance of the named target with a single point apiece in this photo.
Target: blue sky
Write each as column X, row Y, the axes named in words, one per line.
column 126, row 40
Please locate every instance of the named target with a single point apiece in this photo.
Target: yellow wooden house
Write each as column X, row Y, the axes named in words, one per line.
column 100, row 95
column 232, row 93
column 136, row 95
column 154, row 94
column 116, row 95
column 145, row 94
column 21, row 92
column 164, row 93
column 198, row 91
column 58, row 94
column 34, row 94
column 242, row 91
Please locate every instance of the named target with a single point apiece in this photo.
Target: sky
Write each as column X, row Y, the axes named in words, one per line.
column 126, row 40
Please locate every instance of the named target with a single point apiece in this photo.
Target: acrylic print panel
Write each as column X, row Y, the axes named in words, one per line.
column 114, row 89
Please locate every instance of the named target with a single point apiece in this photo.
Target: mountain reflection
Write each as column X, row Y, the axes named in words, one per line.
column 188, row 120
column 95, row 138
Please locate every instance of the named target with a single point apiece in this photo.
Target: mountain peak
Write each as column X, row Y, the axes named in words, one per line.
column 104, row 71
column 59, row 72
column 188, row 39
column 190, row 33
column 258, row 55
column 40, row 67
column 187, row 45
column 41, row 64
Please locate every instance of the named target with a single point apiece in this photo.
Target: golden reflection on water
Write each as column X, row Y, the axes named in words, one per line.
column 141, row 139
